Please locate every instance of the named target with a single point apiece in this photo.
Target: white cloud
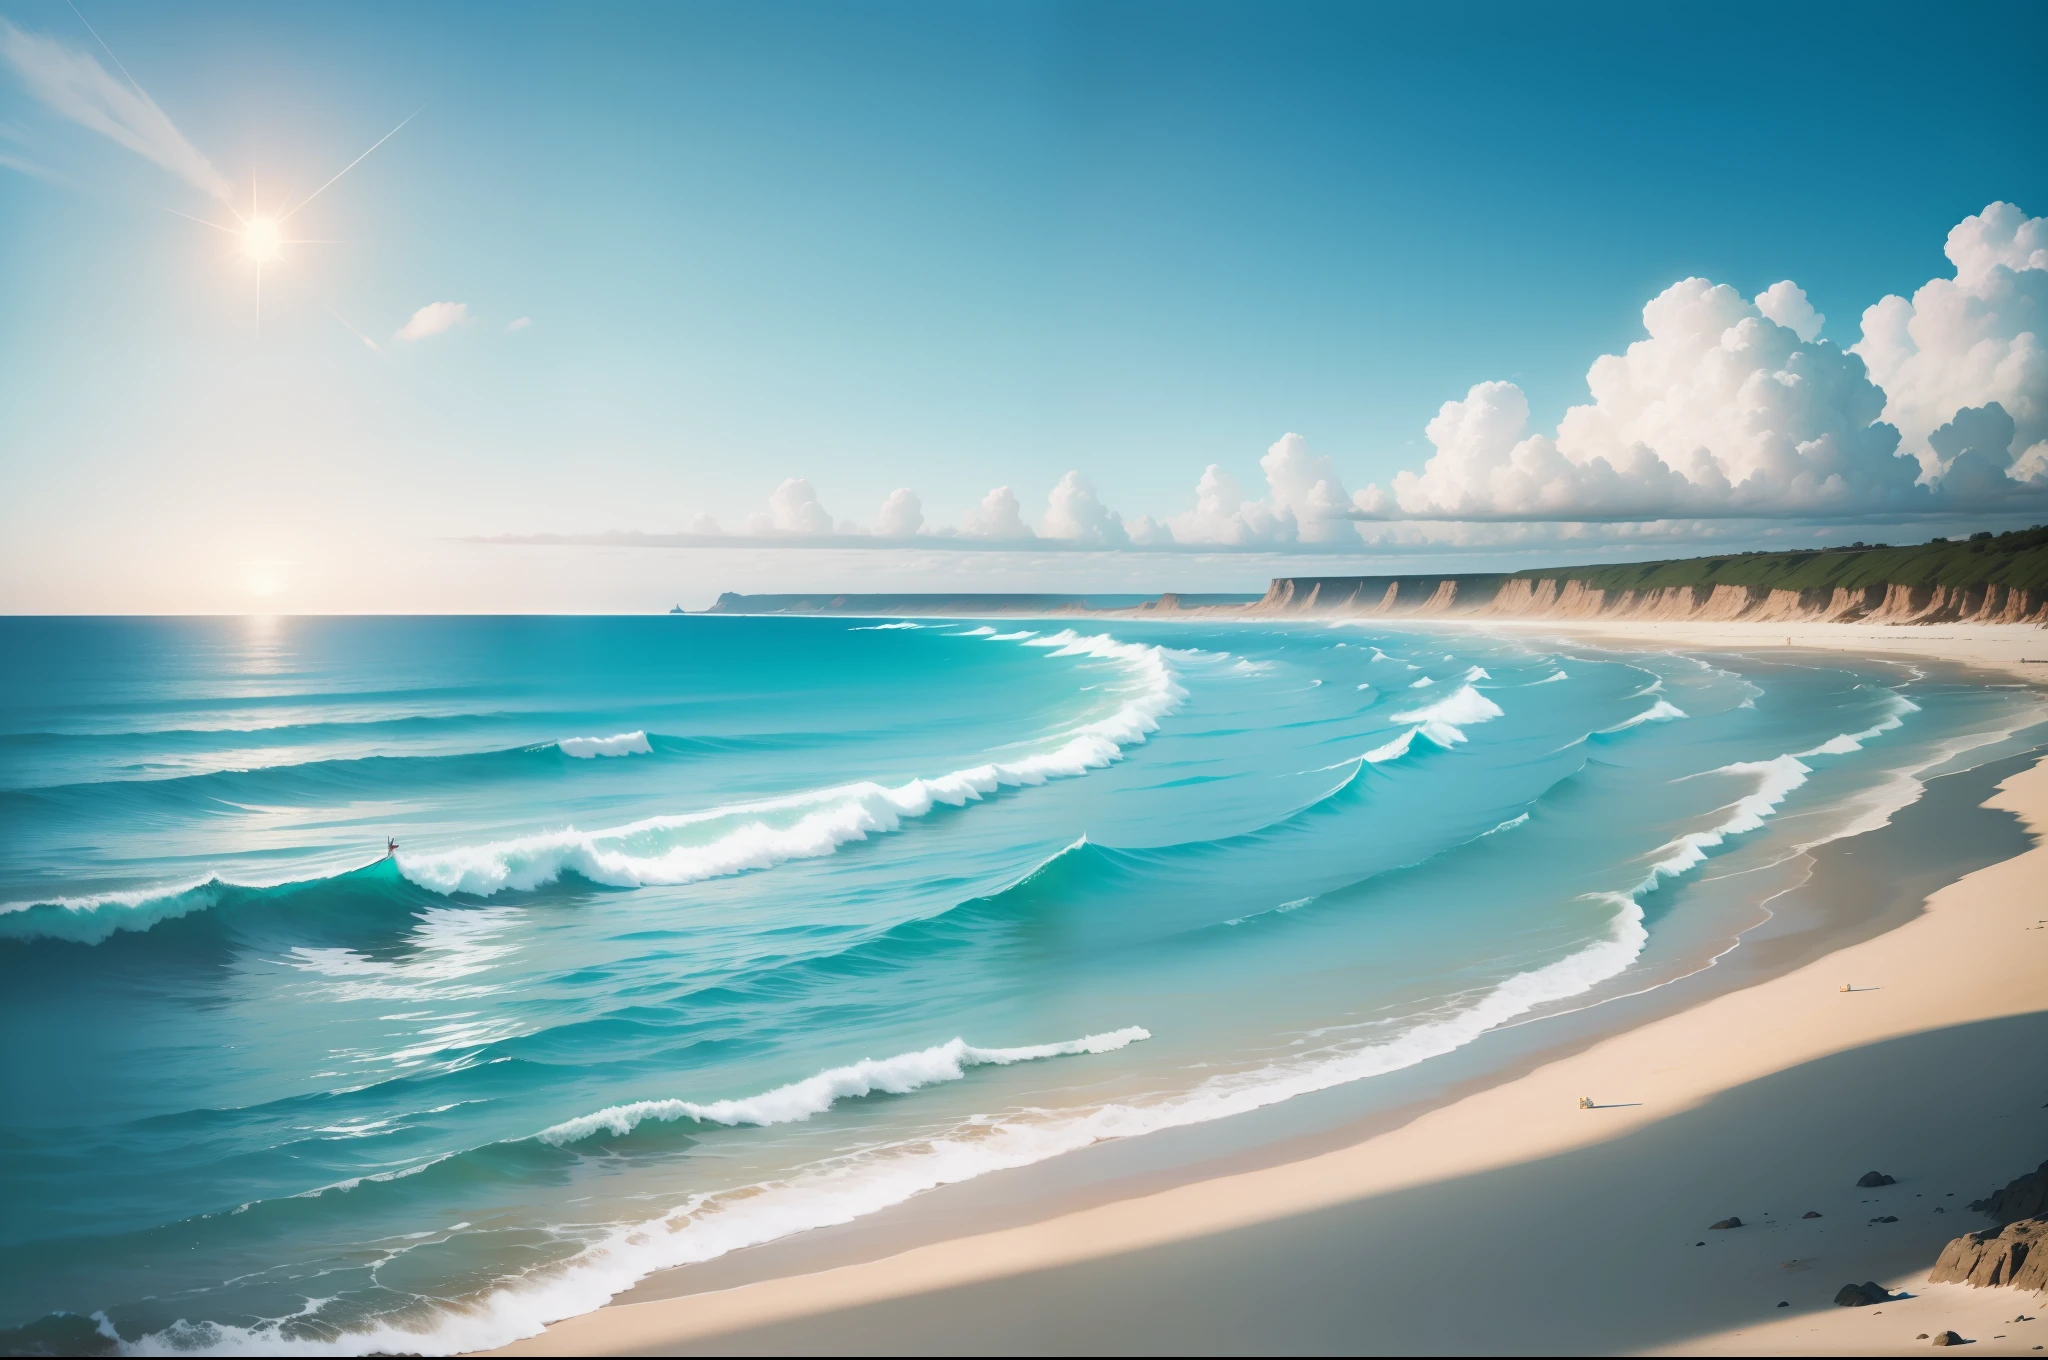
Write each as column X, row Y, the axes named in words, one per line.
column 519, row 323
column 75, row 85
column 434, row 318
column 1785, row 303
column 1969, row 340
column 1305, row 503
column 1074, row 512
column 998, row 516
column 902, row 514
column 793, row 508
column 704, row 522
column 1721, row 412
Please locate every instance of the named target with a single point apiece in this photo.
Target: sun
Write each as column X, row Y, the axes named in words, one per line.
column 261, row 239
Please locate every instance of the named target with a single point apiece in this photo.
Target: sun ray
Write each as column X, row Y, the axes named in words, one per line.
column 375, row 348
column 200, row 220
column 353, row 164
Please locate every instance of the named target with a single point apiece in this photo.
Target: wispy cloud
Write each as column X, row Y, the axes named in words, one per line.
column 73, row 84
column 519, row 323
column 434, row 318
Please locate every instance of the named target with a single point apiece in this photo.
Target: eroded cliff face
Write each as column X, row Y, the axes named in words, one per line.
column 1566, row 598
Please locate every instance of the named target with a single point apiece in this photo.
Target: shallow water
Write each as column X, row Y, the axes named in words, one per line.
column 704, row 931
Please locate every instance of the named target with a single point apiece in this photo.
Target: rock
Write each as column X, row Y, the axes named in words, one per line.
column 1946, row 1339
column 2015, row 1256
column 2025, row 1197
column 1725, row 1223
column 1862, row 1295
column 1887, row 1218
column 1784, row 1303
column 1811, row 1213
column 1870, row 1180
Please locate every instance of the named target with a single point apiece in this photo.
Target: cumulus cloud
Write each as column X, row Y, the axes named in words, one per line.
column 998, row 516
column 1074, row 512
column 793, row 508
column 1785, row 303
column 1727, row 409
column 433, row 319
column 1969, row 340
column 902, row 514
column 72, row 83
column 1305, row 502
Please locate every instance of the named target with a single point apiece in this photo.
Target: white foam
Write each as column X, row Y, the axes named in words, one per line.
column 1444, row 721
column 1775, row 779
column 1853, row 741
column 676, row 850
column 800, row 1100
column 1661, row 711
column 983, row 631
column 885, row 627
column 589, row 748
column 1393, row 750
column 1424, row 683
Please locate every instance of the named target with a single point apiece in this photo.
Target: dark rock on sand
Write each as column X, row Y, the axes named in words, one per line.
column 1946, row 1339
column 1811, row 1213
column 1862, row 1295
column 1870, row 1180
column 1725, row 1223
column 2025, row 1197
column 2015, row 1256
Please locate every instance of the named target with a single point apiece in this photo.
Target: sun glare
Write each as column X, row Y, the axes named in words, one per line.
column 260, row 239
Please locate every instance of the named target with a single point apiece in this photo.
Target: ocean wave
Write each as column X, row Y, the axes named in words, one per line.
column 1842, row 745
column 587, row 748
column 851, row 1187
column 674, row 849
column 885, row 627
column 357, row 900
column 1661, row 711
column 800, row 1100
column 1776, row 779
column 1444, row 721
column 670, row 850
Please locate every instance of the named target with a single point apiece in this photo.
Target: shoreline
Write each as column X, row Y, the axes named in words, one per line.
column 1788, row 1022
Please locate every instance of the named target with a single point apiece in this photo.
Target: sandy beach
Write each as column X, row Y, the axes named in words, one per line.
column 1512, row 1219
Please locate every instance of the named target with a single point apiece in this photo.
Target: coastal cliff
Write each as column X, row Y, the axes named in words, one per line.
column 1986, row 579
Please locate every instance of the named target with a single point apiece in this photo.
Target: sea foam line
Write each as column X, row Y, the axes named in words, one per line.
column 800, row 1100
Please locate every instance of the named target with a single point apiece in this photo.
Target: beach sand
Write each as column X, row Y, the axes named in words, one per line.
column 1510, row 1219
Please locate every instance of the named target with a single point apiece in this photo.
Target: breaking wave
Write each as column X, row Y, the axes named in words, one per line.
column 624, row 744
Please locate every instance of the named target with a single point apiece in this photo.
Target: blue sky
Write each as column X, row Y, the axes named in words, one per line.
column 940, row 247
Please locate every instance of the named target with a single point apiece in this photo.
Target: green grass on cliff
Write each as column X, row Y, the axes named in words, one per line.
column 2018, row 559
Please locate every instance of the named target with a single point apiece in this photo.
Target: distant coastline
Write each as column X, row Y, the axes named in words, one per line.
column 1984, row 579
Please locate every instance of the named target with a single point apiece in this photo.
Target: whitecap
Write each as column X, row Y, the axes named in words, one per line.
column 589, row 748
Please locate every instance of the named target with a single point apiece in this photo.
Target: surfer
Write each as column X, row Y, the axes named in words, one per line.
column 390, row 846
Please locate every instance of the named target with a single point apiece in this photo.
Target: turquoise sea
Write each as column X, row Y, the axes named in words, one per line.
column 705, row 931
